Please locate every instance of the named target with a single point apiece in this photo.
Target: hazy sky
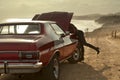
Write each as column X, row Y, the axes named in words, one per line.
column 27, row 8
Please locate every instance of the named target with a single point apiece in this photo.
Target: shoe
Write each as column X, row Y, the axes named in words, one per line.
column 81, row 59
column 98, row 50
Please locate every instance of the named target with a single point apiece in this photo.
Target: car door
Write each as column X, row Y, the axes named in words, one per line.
column 55, row 37
column 68, row 45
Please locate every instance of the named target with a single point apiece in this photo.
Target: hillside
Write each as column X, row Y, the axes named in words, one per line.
column 109, row 20
column 87, row 17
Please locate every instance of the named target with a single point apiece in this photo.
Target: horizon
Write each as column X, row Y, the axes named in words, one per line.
column 30, row 18
column 28, row 8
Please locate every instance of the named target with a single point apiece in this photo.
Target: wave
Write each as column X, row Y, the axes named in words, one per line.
column 86, row 25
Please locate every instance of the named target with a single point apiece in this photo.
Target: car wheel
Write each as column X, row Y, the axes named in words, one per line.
column 75, row 57
column 51, row 72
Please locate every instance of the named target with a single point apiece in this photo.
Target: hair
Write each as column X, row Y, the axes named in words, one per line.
column 72, row 28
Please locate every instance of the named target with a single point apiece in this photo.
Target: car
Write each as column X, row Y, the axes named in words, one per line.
column 34, row 46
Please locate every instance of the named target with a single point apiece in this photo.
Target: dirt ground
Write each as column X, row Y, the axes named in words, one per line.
column 105, row 66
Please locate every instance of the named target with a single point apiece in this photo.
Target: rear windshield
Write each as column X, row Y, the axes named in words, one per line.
column 20, row 29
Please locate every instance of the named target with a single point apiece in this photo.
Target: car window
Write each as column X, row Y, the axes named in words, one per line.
column 50, row 32
column 57, row 29
column 20, row 29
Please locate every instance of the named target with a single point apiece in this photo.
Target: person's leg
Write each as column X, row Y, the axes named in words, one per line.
column 93, row 47
column 81, row 48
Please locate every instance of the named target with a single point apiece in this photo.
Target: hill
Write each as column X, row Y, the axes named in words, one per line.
column 87, row 17
column 108, row 20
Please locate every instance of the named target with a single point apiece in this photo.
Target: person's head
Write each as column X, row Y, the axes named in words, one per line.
column 72, row 28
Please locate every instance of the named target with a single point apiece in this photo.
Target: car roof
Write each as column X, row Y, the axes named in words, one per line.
column 25, row 22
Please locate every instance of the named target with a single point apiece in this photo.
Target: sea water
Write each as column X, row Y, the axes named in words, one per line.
column 86, row 25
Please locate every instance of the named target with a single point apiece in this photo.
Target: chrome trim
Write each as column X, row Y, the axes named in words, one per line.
column 9, row 51
column 29, row 52
column 22, row 65
column 18, row 51
column 19, row 61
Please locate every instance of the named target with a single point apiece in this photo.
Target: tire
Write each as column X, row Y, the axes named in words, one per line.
column 76, row 57
column 52, row 71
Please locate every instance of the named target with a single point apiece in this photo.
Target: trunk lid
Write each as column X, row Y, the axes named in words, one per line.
column 18, row 42
column 62, row 18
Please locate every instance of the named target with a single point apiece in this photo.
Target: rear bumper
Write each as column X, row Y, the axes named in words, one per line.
column 20, row 67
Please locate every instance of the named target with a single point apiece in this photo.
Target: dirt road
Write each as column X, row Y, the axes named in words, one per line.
column 105, row 66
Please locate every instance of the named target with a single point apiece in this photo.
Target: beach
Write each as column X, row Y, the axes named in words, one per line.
column 104, row 66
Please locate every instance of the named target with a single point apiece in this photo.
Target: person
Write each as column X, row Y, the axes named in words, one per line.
column 79, row 34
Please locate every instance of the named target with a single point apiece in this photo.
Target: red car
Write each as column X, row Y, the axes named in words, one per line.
column 29, row 47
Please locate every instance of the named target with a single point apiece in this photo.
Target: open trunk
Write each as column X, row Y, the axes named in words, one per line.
column 63, row 19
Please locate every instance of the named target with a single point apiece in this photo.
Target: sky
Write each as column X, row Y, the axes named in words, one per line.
column 28, row 8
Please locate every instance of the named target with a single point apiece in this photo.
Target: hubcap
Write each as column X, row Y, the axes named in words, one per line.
column 76, row 55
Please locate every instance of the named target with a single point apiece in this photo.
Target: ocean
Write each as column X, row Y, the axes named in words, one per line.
column 86, row 25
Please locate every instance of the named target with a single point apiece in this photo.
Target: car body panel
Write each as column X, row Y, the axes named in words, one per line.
column 31, row 52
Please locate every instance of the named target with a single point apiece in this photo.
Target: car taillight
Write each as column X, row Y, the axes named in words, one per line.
column 34, row 55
